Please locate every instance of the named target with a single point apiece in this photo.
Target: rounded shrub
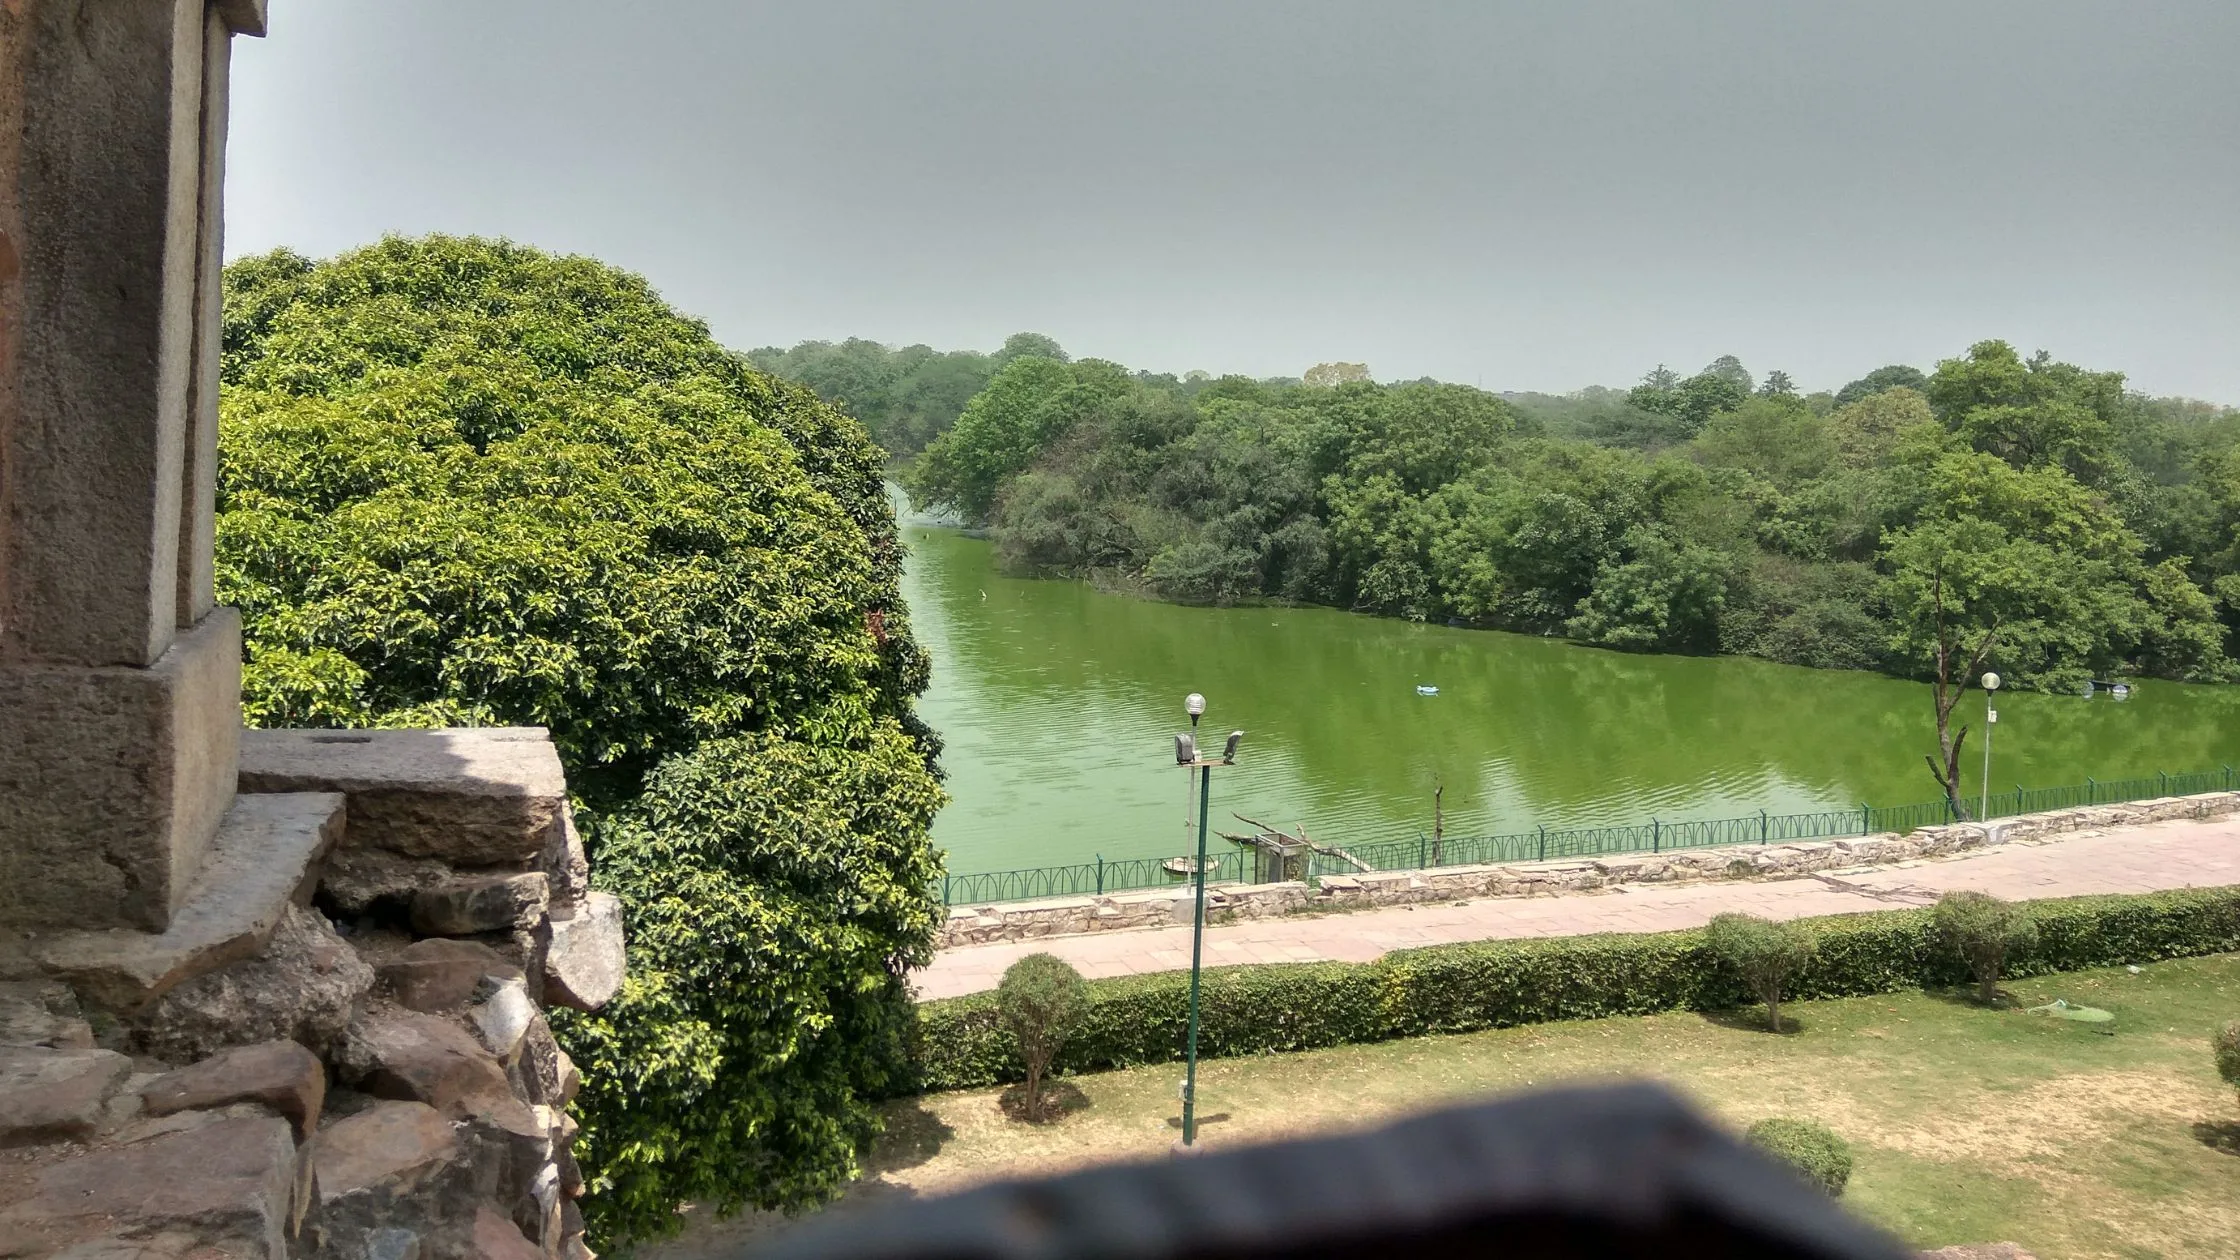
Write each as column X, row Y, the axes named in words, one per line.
column 1041, row 1001
column 1987, row 932
column 1767, row 955
column 1811, row 1149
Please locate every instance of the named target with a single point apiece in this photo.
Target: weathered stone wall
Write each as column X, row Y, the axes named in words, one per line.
column 339, row 1049
column 1028, row 920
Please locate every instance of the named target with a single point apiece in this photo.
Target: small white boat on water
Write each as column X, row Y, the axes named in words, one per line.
column 1426, row 689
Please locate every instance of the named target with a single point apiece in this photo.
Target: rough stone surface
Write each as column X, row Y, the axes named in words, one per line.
column 485, row 903
column 392, row 1147
column 278, row 1074
column 47, row 1094
column 564, row 862
column 547, row 1075
column 440, row 975
column 426, row 1058
column 395, row 1182
column 482, row 797
column 1980, row 1251
column 116, row 779
column 497, row 1238
column 42, row 1013
column 263, row 863
column 503, row 1018
column 231, row 1184
column 302, row 987
column 583, row 965
column 359, row 880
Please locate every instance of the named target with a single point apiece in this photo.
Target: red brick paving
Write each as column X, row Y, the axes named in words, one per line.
column 2198, row 854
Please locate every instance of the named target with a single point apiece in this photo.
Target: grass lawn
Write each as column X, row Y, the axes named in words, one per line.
column 1970, row 1125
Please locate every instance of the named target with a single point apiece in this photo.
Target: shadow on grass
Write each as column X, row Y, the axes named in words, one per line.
column 1751, row 1019
column 1175, row 1122
column 2222, row 1136
column 1966, row 996
column 1060, row 1098
column 913, row 1135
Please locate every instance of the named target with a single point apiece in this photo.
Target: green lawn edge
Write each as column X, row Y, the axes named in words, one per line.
column 958, row 1043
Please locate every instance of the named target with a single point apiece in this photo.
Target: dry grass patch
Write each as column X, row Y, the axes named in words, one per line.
column 2078, row 1141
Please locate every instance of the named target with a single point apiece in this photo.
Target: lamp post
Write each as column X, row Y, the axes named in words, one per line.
column 1186, row 755
column 1194, row 705
column 1990, row 718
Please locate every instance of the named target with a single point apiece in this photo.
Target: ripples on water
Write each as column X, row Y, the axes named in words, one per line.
column 1059, row 706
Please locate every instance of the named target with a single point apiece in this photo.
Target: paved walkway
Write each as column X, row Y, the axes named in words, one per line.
column 2199, row 854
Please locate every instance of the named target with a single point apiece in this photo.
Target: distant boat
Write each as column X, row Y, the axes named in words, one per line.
column 2121, row 691
column 1426, row 689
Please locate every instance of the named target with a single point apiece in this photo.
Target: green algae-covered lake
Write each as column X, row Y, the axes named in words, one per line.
column 1059, row 705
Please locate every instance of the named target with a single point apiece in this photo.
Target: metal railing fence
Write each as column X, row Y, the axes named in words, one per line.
column 1541, row 844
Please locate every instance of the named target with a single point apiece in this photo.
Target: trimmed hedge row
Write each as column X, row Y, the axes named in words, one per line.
column 1266, row 1009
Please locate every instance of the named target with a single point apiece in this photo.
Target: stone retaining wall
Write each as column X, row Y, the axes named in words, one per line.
column 1064, row 916
column 339, row 1050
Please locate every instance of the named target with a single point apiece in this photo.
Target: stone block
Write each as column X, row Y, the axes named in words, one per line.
column 547, row 1075
column 42, row 1013
column 420, row 1058
column 303, row 986
column 440, row 975
column 277, row 1074
column 496, row 1237
column 584, row 961
column 502, row 1018
column 358, row 881
column 264, row 861
column 484, row 796
column 116, row 780
column 565, row 865
column 50, row 1094
column 2166, row 808
column 230, row 1185
column 391, row 1147
column 483, row 903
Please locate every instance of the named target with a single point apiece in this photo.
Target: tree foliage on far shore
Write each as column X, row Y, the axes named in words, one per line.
column 464, row 482
column 2080, row 528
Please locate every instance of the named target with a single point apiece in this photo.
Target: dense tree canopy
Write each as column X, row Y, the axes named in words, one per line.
column 467, row 482
column 906, row 397
column 2082, row 528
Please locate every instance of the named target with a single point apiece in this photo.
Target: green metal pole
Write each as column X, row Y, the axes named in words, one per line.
column 1197, row 956
column 1988, row 722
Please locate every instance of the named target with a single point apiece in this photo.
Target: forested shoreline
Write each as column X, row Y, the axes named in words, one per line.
column 2080, row 528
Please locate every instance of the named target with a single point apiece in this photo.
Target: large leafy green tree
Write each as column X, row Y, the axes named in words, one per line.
column 464, row 482
column 1032, row 402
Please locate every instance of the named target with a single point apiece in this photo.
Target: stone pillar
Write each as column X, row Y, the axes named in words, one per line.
column 120, row 678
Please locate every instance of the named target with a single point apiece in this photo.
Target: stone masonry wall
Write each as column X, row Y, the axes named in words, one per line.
column 1063, row 916
column 340, row 1050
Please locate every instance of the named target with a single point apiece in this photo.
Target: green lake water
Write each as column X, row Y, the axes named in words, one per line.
column 1059, row 705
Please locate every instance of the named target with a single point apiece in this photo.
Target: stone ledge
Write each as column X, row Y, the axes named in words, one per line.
column 266, row 858
column 1063, row 916
column 485, row 796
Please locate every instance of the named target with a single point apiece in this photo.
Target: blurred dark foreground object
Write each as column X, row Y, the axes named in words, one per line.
column 1623, row 1171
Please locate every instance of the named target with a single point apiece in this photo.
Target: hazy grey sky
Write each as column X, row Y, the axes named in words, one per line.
column 1533, row 195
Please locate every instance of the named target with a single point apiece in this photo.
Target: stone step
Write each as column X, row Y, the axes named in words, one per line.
column 486, row 796
column 265, row 858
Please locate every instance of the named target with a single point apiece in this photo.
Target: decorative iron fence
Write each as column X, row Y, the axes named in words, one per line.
column 1542, row 843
